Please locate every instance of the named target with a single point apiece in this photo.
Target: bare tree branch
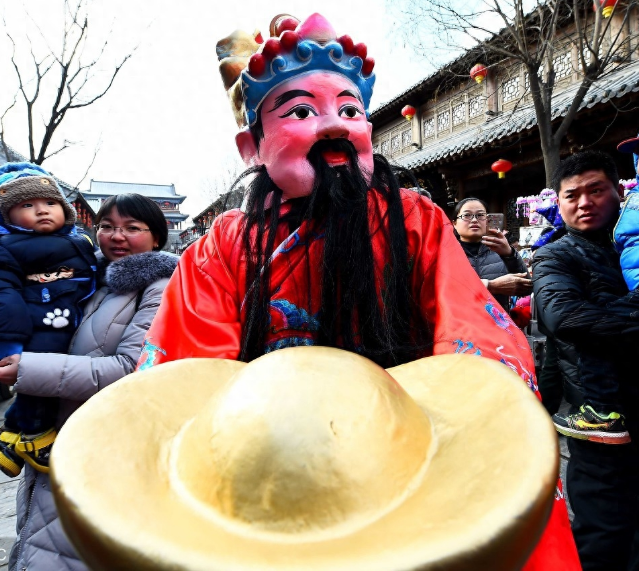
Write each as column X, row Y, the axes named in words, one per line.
column 76, row 86
column 535, row 39
column 96, row 150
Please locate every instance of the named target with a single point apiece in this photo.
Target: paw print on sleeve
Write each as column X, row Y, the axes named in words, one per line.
column 57, row 318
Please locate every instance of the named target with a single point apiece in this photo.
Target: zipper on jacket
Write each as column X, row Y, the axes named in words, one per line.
column 614, row 230
column 26, row 523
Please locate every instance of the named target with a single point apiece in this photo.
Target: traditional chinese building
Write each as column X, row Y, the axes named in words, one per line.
column 202, row 221
column 163, row 194
column 460, row 127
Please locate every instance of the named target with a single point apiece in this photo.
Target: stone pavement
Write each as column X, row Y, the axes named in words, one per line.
column 8, row 489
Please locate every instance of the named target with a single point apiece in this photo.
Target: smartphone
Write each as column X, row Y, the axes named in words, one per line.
column 495, row 221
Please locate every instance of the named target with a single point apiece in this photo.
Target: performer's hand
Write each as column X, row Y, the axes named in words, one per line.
column 496, row 240
column 9, row 369
column 510, row 284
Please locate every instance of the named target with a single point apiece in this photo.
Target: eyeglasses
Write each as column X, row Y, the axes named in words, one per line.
column 127, row 231
column 467, row 216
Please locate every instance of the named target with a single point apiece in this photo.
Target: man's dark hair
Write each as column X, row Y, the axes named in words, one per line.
column 141, row 208
column 579, row 163
column 351, row 314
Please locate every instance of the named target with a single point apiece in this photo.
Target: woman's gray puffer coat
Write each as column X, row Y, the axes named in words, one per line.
column 105, row 348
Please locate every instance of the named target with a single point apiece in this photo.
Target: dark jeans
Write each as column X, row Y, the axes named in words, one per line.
column 599, row 384
column 549, row 380
column 30, row 414
column 603, row 489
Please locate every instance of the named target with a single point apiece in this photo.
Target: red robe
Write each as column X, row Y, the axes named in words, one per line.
column 201, row 312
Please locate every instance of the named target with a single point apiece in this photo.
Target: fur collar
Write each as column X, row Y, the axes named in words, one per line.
column 135, row 272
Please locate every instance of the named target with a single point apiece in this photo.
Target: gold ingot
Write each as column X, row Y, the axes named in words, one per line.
column 308, row 458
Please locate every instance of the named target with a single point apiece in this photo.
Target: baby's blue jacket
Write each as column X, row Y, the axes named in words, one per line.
column 627, row 239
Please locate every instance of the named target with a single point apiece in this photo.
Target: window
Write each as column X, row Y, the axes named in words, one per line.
column 475, row 106
column 395, row 143
column 459, row 114
column 443, row 121
column 563, row 66
column 429, row 127
column 510, row 89
column 407, row 137
column 385, row 148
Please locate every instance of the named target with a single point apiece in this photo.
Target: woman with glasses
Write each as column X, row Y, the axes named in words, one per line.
column 497, row 263
column 132, row 274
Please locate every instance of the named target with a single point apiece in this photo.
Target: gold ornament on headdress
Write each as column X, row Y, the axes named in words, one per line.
column 234, row 52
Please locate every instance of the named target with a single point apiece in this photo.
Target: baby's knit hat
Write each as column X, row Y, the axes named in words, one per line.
column 26, row 181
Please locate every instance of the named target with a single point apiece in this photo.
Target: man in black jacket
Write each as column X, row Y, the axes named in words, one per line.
column 583, row 301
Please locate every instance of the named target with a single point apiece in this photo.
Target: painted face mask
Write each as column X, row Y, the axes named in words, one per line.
column 302, row 86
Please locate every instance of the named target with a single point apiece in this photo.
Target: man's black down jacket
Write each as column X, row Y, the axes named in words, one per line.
column 584, row 303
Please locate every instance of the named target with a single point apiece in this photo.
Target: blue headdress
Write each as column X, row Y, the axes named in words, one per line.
column 296, row 49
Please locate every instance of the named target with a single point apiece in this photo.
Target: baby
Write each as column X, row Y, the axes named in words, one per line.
column 47, row 271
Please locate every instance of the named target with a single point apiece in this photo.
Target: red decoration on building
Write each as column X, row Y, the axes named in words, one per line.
column 478, row 72
column 607, row 7
column 501, row 167
column 408, row 112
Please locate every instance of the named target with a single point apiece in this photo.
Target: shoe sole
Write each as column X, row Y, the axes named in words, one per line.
column 600, row 437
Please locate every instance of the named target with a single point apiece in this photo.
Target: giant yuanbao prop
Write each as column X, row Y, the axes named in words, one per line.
column 308, row 458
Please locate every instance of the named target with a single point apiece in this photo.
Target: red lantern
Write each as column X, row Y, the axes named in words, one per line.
column 408, row 112
column 478, row 72
column 501, row 167
column 607, row 7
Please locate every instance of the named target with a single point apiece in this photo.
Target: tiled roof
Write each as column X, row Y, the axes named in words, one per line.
column 106, row 188
column 611, row 86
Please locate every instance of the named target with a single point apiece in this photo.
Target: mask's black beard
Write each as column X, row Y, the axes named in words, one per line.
column 351, row 315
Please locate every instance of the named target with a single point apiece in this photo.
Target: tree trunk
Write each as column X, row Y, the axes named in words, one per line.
column 551, row 161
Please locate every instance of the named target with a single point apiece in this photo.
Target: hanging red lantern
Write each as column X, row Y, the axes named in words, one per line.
column 478, row 72
column 501, row 167
column 607, row 7
column 408, row 112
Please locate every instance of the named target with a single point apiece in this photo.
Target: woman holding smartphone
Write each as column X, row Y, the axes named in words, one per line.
column 497, row 263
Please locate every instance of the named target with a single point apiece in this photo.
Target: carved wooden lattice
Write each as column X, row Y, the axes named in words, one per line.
column 510, row 89
column 429, row 128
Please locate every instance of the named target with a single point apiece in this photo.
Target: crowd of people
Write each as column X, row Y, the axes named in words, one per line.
column 327, row 250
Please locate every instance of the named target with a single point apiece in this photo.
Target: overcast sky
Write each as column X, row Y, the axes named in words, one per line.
column 167, row 119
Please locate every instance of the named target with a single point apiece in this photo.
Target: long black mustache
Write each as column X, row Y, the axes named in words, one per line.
column 351, row 315
column 339, row 189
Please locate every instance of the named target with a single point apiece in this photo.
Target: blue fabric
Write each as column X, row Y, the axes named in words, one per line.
column 627, row 239
column 8, row 348
column 31, row 415
column 307, row 56
column 40, row 273
column 12, row 171
column 550, row 213
column 44, row 280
